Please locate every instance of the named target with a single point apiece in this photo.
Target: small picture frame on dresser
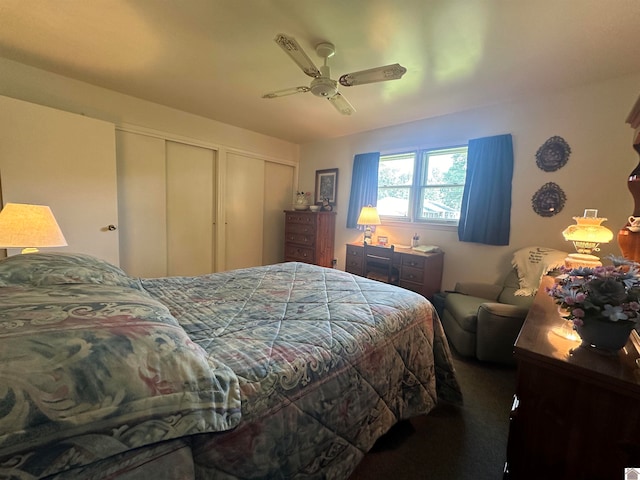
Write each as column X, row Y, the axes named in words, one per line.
column 327, row 186
column 383, row 240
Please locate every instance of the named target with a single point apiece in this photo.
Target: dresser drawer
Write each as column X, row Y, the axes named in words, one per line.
column 413, row 262
column 299, row 238
column 300, row 228
column 298, row 254
column 354, row 261
column 411, row 274
column 302, row 218
column 355, row 252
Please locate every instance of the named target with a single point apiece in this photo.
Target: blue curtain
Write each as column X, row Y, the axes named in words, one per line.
column 485, row 216
column 364, row 185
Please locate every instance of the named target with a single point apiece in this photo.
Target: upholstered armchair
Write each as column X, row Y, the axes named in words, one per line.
column 483, row 320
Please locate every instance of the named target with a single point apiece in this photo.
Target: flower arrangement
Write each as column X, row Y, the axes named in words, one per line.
column 607, row 293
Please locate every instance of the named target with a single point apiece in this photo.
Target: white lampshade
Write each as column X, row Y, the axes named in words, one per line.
column 369, row 216
column 29, row 227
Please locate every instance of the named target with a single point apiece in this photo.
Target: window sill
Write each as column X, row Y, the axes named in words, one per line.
column 450, row 227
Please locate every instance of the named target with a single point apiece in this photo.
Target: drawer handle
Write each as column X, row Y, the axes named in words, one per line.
column 411, row 276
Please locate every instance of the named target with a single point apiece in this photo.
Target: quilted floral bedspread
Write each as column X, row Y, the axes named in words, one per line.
column 327, row 363
column 92, row 366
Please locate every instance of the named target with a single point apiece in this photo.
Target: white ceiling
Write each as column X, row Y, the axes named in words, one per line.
column 215, row 58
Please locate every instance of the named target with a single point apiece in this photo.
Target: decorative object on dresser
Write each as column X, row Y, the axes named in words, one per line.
column 417, row 271
column 327, row 186
column 587, row 234
column 628, row 236
column 309, row 237
column 368, row 217
column 603, row 303
column 29, row 227
column 575, row 412
column 302, row 201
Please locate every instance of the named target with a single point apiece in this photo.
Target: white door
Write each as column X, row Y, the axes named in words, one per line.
column 68, row 162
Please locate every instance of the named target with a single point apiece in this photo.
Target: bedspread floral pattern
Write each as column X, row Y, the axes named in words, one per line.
column 327, row 362
column 94, row 364
column 101, row 362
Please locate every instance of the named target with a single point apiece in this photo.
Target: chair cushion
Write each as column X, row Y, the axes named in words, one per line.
column 509, row 296
column 464, row 309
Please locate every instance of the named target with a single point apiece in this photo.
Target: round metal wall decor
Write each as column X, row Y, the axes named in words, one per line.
column 553, row 154
column 548, row 200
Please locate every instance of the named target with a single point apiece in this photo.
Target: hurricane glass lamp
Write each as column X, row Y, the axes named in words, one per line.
column 368, row 217
column 586, row 235
column 29, row 227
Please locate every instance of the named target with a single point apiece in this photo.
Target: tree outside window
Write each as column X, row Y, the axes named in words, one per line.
column 423, row 185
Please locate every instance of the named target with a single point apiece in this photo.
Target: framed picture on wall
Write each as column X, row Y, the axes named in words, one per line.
column 327, row 185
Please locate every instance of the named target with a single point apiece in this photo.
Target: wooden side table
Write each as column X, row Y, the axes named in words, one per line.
column 576, row 413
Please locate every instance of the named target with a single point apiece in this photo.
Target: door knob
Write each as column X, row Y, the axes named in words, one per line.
column 111, row 228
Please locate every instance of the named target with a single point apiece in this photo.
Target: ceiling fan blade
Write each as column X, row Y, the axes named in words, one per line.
column 379, row 74
column 294, row 50
column 286, row 91
column 341, row 104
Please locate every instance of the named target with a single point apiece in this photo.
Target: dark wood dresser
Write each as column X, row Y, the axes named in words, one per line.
column 576, row 413
column 419, row 272
column 309, row 237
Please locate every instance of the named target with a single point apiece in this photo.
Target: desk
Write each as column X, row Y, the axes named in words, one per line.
column 419, row 272
column 575, row 415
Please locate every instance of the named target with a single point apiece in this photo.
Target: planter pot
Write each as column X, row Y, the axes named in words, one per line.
column 603, row 335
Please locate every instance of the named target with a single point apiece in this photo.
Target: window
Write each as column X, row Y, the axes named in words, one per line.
column 422, row 186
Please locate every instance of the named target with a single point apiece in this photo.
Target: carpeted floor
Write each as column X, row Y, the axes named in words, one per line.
column 451, row 443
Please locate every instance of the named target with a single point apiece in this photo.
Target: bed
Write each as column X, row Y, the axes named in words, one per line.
column 282, row 371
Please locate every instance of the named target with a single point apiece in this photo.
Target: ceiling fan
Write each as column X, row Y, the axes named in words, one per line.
column 322, row 85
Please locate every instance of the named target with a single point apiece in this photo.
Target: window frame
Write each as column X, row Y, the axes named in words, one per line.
column 418, row 184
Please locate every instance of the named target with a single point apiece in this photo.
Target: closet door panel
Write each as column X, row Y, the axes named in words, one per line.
column 244, row 211
column 190, row 209
column 142, row 204
column 278, row 184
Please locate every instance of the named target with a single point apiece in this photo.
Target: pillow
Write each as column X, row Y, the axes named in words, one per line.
column 43, row 269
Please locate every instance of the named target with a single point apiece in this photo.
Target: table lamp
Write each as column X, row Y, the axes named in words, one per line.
column 368, row 217
column 29, row 227
column 586, row 236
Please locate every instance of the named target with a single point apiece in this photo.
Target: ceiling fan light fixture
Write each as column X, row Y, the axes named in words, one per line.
column 324, row 87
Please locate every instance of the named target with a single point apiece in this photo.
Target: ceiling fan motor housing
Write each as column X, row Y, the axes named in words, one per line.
column 324, row 87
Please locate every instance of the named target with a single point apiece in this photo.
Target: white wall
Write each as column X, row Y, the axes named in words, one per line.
column 45, row 88
column 592, row 121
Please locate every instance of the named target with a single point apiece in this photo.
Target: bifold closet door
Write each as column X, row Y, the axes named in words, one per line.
column 166, row 201
column 278, row 181
column 190, row 209
column 142, row 200
column 244, row 214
